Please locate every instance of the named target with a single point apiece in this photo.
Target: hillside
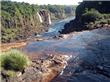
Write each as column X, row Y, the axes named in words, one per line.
column 89, row 15
column 21, row 20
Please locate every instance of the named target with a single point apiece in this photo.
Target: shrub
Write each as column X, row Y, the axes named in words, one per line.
column 106, row 16
column 91, row 16
column 10, row 73
column 108, row 21
column 14, row 60
column 103, row 21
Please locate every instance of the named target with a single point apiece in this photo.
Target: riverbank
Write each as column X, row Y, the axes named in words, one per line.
column 41, row 70
column 20, row 44
column 53, row 30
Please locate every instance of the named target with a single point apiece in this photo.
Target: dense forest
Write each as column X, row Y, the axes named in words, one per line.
column 20, row 20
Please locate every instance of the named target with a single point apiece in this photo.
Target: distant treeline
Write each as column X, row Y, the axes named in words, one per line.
column 59, row 11
column 20, row 20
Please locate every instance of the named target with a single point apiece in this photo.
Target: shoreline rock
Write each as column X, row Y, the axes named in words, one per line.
column 7, row 46
column 41, row 70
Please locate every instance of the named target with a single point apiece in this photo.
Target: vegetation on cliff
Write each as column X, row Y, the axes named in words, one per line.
column 92, row 18
column 20, row 20
column 89, row 15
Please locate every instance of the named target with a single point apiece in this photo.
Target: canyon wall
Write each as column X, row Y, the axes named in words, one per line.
column 21, row 20
column 18, row 21
column 89, row 14
column 44, row 17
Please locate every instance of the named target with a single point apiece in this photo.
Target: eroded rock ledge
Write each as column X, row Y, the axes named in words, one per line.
column 41, row 70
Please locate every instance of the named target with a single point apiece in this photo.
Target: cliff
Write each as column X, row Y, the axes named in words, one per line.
column 22, row 20
column 89, row 14
column 19, row 21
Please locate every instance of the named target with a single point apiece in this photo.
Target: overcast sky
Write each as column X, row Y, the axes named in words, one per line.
column 60, row 2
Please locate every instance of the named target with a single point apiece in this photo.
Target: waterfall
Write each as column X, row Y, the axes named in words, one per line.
column 44, row 17
column 49, row 19
column 40, row 18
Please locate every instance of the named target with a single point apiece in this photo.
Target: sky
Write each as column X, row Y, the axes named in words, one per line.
column 60, row 2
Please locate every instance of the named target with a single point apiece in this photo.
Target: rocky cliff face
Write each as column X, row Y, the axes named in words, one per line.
column 78, row 24
column 23, row 27
column 21, row 20
column 44, row 17
column 101, row 6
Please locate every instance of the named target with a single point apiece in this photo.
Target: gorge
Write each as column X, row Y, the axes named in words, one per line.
column 20, row 21
column 77, row 54
column 89, row 15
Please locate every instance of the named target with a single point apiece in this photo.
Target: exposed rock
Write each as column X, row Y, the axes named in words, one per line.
column 94, row 64
column 78, row 24
column 8, row 46
column 41, row 70
column 19, row 44
column 44, row 17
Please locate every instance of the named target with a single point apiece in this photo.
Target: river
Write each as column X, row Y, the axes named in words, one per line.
column 56, row 26
column 90, row 50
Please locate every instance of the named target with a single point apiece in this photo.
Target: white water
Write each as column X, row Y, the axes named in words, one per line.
column 40, row 18
column 57, row 26
column 50, row 22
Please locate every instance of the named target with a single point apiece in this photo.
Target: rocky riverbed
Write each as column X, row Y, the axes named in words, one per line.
column 41, row 70
column 90, row 52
